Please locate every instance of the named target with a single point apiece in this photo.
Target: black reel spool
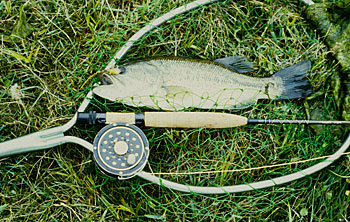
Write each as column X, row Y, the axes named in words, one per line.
column 121, row 150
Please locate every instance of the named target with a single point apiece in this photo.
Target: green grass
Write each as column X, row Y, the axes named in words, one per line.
column 72, row 40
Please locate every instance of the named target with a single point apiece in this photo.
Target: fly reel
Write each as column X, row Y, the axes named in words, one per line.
column 121, row 150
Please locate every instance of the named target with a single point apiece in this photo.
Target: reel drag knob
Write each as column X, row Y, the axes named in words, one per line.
column 121, row 149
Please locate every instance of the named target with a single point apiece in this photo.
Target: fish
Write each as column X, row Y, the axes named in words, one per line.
column 177, row 83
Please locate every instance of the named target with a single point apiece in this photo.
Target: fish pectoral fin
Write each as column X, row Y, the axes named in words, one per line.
column 238, row 63
column 179, row 96
column 175, row 90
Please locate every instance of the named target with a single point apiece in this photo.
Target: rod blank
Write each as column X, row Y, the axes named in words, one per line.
column 307, row 122
column 188, row 119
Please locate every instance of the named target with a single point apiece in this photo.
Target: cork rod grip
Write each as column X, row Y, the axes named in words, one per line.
column 120, row 117
column 193, row 120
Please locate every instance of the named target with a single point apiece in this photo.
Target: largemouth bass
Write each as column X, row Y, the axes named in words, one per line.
column 176, row 83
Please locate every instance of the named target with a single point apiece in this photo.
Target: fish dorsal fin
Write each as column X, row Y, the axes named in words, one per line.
column 238, row 63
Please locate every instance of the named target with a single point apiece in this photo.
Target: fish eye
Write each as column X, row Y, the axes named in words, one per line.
column 122, row 70
column 105, row 80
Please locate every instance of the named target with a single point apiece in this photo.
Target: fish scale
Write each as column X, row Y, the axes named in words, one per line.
column 193, row 71
column 199, row 79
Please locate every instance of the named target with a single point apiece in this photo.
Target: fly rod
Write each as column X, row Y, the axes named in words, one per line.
column 187, row 119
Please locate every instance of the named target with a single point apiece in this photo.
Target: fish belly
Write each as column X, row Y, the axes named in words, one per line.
column 218, row 98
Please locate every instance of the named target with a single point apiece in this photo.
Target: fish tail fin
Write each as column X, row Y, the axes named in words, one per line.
column 294, row 82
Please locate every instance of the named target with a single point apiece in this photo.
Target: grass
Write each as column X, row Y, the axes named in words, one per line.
column 69, row 41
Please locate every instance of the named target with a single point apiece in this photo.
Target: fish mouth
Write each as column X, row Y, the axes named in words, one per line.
column 105, row 79
column 106, row 76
